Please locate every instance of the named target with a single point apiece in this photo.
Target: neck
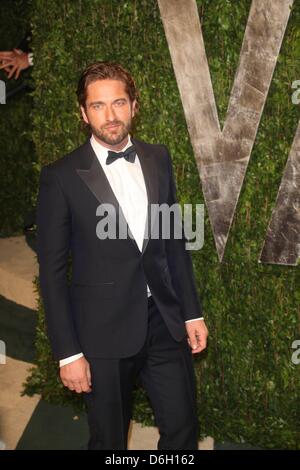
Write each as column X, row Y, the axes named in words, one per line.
column 115, row 147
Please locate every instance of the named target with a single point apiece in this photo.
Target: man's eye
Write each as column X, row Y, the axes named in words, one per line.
column 120, row 103
column 97, row 106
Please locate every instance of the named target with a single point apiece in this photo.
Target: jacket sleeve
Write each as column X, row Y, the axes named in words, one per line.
column 180, row 261
column 24, row 43
column 53, row 245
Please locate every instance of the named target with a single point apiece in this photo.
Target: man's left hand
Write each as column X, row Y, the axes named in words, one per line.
column 197, row 335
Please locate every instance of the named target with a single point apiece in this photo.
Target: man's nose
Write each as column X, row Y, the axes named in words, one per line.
column 110, row 113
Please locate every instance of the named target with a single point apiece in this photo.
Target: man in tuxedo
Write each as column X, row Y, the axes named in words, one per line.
column 131, row 311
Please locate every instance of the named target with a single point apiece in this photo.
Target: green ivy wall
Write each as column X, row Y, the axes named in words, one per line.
column 248, row 385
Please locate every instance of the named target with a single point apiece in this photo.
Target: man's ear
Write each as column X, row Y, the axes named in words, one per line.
column 84, row 116
column 133, row 108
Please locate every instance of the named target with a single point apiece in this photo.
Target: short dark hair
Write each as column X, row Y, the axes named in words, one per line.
column 106, row 71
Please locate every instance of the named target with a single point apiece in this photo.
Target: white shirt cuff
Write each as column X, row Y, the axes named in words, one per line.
column 67, row 360
column 194, row 319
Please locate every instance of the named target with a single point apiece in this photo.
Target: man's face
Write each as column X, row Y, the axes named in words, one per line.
column 109, row 112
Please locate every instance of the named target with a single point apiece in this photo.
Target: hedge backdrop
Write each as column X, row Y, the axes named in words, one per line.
column 17, row 156
column 248, row 386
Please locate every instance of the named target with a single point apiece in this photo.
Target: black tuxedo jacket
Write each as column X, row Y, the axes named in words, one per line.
column 103, row 312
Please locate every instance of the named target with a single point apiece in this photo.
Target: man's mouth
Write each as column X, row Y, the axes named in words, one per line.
column 112, row 126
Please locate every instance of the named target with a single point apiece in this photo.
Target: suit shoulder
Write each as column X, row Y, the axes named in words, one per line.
column 156, row 148
column 64, row 163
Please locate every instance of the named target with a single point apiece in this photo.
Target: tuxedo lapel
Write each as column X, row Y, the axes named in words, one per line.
column 93, row 176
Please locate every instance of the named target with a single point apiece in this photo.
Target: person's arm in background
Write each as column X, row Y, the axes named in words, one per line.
column 13, row 62
column 18, row 59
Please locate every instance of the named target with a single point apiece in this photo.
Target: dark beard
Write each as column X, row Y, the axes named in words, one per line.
column 112, row 139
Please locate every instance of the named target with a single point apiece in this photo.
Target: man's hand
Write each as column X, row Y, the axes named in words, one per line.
column 197, row 335
column 77, row 376
column 13, row 62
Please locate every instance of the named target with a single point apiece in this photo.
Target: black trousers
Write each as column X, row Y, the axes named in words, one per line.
column 165, row 369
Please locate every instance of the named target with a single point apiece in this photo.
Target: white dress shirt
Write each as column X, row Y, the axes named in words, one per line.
column 122, row 175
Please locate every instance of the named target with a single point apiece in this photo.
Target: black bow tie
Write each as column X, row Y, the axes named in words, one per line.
column 129, row 154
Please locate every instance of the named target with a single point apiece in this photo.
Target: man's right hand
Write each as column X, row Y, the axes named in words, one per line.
column 77, row 376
